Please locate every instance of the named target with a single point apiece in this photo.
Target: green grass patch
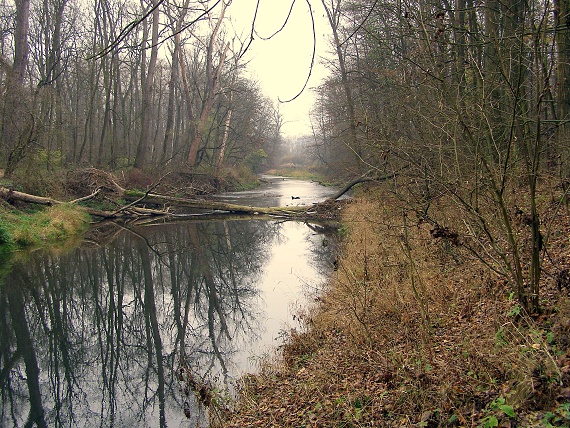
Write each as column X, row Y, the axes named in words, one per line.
column 302, row 173
column 133, row 193
column 48, row 225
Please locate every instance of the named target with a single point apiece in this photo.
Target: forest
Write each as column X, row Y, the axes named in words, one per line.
column 459, row 111
column 474, row 99
column 471, row 100
column 125, row 85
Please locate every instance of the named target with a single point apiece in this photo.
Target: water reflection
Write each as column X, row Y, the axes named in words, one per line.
column 97, row 337
column 280, row 192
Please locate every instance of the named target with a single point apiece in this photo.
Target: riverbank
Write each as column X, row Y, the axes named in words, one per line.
column 36, row 220
column 414, row 331
column 30, row 220
column 39, row 226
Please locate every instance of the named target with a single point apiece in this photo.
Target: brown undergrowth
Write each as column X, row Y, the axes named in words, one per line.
column 413, row 331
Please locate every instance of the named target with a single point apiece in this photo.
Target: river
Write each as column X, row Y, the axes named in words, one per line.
column 114, row 331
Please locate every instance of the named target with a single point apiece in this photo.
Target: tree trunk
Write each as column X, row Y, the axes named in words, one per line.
column 226, row 133
column 562, row 22
column 228, row 119
column 21, row 47
column 333, row 15
column 144, row 147
column 212, row 83
column 167, row 148
column 17, row 124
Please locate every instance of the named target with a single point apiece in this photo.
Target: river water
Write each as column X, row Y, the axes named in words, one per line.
column 114, row 331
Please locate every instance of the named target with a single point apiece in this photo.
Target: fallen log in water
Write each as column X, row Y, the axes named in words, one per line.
column 13, row 195
column 204, row 204
column 131, row 210
column 138, row 202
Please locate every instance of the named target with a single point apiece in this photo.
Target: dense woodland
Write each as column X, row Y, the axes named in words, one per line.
column 116, row 84
column 463, row 88
column 464, row 99
column 472, row 100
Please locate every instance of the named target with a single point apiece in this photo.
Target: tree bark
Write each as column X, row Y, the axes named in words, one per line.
column 144, row 148
column 562, row 22
column 212, row 83
column 21, row 47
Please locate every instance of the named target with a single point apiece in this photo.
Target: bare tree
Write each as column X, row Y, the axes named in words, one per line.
column 334, row 13
column 213, row 73
column 18, row 124
column 462, row 93
column 147, row 77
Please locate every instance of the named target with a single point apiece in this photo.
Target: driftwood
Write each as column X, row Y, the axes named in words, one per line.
column 135, row 199
column 204, row 204
column 130, row 210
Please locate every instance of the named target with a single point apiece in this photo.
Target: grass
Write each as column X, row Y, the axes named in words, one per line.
column 302, row 173
column 50, row 225
column 413, row 331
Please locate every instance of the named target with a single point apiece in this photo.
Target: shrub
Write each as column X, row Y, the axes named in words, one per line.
column 255, row 159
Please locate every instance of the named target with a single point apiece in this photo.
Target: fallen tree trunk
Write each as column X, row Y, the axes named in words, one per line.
column 135, row 199
column 9, row 194
column 151, row 198
column 364, row 178
column 13, row 195
column 204, row 204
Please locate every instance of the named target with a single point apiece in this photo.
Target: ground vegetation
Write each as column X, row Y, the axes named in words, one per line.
column 413, row 330
column 34, row 227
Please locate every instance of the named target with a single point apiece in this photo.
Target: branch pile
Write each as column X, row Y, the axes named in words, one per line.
column 137, row 205
column 102, row 185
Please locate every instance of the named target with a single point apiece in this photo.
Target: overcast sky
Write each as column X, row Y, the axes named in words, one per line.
column 281, row 64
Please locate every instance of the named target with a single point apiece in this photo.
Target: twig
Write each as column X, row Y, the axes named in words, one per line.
column 150, row 189
column 86, row 198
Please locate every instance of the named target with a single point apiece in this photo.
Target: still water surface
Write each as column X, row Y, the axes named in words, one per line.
column 108, row 334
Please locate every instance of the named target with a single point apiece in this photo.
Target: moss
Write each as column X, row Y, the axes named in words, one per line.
column 134, row 193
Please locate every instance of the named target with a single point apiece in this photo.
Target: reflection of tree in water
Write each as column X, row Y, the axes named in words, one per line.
column 325, row 248
column 94, row 337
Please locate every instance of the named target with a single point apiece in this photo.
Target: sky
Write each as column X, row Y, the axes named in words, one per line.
column 281, row 65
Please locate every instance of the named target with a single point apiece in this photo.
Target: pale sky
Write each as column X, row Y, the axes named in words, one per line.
column 281, row 64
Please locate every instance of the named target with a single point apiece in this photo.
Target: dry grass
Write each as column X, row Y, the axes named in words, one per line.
column 412, row 331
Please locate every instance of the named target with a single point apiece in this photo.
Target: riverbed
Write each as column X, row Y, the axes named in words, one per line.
column 114, row 332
